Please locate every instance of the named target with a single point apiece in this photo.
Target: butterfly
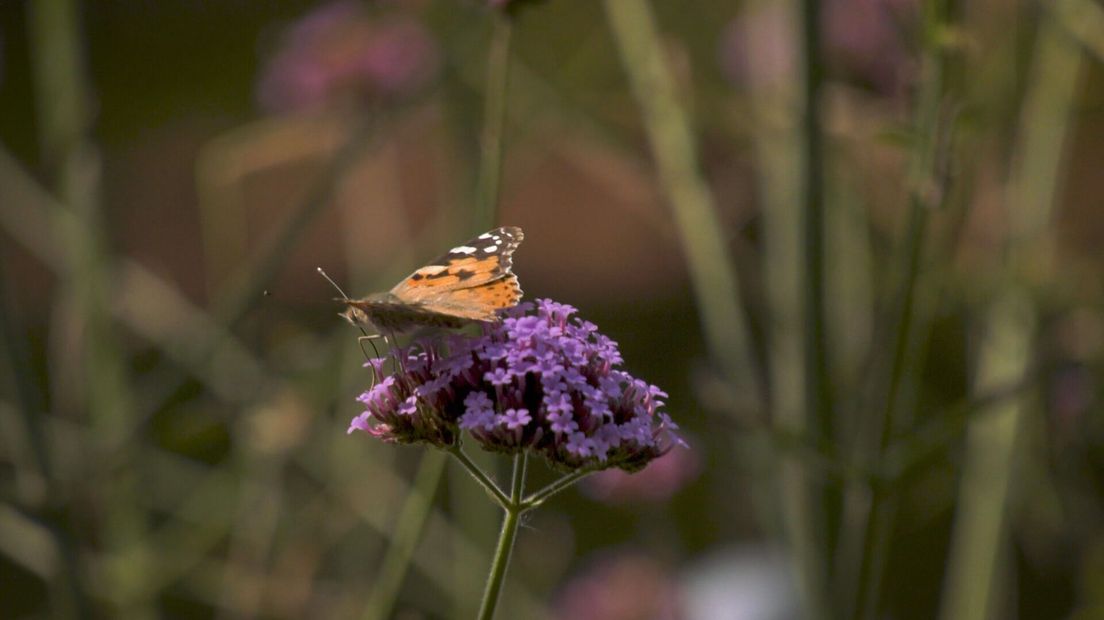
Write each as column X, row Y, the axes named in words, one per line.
column 468, row 283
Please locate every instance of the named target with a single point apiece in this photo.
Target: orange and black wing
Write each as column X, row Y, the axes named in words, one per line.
column 478, row 303
column 481, row 261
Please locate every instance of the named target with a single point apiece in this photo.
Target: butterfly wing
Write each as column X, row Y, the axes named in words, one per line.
column 477, row 302
column 469, row 282
column 482, row 260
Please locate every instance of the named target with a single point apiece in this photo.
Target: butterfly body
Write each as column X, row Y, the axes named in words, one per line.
column 469, row 283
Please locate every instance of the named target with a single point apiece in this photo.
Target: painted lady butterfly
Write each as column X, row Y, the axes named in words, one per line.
column 468, row 283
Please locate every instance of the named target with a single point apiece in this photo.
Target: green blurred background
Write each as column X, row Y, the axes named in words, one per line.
column 880, row 325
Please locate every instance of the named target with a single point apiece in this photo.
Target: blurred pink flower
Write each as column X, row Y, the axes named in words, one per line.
column 657, row 482
column 625, row 586
column 757, row 48
column 1072, row 394
column 339, row 51
column 868, row 39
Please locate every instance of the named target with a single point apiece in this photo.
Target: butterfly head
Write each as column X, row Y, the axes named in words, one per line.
column 360, row 312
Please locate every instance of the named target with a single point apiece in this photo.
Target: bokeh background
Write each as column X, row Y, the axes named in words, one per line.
column 859, row 242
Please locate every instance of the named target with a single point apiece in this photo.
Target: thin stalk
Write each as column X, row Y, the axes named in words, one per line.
column 926, row 196
column 538, row 498
column 409, row 525
column 824, row 501
column 506, row 539
column 68, row 591
column 777, row 138
column 818, row 397
column 703, row 238
column 974, row 584
column 1084, row 19
column 879, row 516
column 472, row 513
column 482, row 478
column 86, row 345
column 250, row 541
column 494, row 121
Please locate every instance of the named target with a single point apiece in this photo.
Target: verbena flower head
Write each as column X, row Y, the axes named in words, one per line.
column 541, row 380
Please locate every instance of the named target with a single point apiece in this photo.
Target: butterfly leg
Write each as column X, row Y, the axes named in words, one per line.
column 360, row 343
column 362, row 339
column 392, row 343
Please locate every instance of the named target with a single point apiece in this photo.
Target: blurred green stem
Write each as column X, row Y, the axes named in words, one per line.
column 246, row 286
column 248, row 283
column 471, row 512
column 409, row 525
column 64, row 121
column 973, row 588
column 775, row 111
column 1084, row 19
column 494, row 122
column 703, row 237
column 927, row 195
column 824, row 500
column 818, row 397
column 541, row 496
column 68, row 590
column 506, row 538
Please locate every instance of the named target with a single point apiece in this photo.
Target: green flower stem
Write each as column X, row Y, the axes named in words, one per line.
column 975, row 584
column 538, row 498
column 674, row 148
column 494, row 121
column 505, row 547
column 928, row 194
column 65, row 118
column 482, row 478
column 823, row 501
column 408, row 530
column 474, row 516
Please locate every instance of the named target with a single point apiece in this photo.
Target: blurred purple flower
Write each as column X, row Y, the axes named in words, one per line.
column 339, row 52
column 656, row 483
column 540, row 380
column 627, row 586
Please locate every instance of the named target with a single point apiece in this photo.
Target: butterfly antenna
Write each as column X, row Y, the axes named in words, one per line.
column 332, row 283
column 364, row 334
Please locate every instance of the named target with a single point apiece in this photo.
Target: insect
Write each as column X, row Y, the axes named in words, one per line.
column 468, row 283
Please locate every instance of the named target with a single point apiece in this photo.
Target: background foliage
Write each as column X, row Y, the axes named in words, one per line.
column 880, row 324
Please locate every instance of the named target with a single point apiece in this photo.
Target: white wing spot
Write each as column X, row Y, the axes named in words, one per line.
column 464, row 249
column 486, row 235
column 490, row 249
column 432, row 269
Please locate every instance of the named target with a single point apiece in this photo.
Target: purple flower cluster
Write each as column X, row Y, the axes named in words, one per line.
column 341, row 51
column 540, row 380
